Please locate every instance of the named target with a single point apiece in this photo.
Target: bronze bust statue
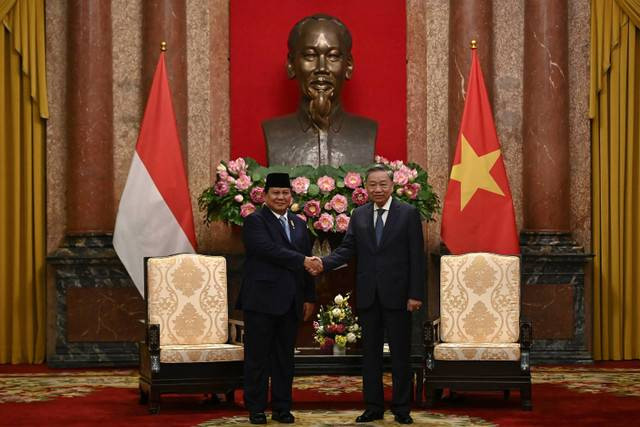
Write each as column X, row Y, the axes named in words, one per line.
column 320, row 132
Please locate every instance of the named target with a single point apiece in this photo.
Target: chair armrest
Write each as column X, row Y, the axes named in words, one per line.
column 236, row 331
column 526, row 334
column 153, row 344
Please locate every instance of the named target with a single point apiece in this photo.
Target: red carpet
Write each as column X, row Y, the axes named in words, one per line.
column 602, row 394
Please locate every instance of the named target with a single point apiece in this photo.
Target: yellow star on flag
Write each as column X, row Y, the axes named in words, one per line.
column 473, row 172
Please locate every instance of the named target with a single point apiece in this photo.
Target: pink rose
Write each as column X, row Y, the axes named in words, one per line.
column 342, row 223
column 223, row 175
column 221, row 188
column 339, row 328
column 243, row 182
column 302, row 217
column 247, row 209
column 316, row 325
column 312, row 208
column 327, row 206
column 237, row 166
column 360, row 196
column 381, row 160
column 326, row 183
column 400, row 177
column 339, row 203
column 300, row 185
column 352, row 180
column 238, row 198
column 412, row 190
column 325, row 222
column 257, row 195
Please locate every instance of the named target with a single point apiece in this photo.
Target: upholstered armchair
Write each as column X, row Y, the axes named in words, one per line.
column 191, row 345
column 479, row 342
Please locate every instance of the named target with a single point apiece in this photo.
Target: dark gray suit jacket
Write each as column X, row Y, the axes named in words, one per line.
column 396, row 268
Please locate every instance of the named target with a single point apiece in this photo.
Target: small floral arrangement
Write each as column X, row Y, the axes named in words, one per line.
column 336, row 324
column 323, row 197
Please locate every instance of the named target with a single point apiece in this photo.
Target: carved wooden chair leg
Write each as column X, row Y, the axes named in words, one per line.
column 144, row 396
column 429, row 397
column 525, row 396
column 154, row 402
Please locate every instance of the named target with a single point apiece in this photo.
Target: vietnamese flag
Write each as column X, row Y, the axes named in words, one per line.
column 478, row 213
column 155, row 216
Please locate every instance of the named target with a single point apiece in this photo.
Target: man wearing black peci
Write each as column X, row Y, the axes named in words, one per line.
column 386, row 236
column 276, row 293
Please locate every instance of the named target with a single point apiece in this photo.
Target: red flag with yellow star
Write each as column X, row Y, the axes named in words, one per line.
column 478, row 213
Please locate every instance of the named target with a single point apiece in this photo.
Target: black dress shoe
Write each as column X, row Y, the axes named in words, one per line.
column 284, row 417
column 368, row 415
column 403, row 418
column 257, row 418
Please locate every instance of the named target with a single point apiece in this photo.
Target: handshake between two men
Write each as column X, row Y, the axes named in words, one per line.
column 313, row 265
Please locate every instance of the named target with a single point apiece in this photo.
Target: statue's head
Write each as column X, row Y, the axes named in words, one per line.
column 320, row 59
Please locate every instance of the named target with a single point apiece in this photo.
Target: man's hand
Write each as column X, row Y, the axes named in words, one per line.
column 413, row 304
column 313, row 265
column 307, row 310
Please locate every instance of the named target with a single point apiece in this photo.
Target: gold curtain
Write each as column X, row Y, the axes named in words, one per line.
column 23, row 108
column 615, row 114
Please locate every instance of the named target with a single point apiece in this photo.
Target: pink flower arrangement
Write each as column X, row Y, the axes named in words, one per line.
column 300, row 185
column 352, row 180
column 322, row 197
column 312, row 208
column 257, row 195
column 221, row 188
column 324, row 223
column 243, row 182
column 412, row 190
column 247, row 209
column 360, row 196
column 326, row 184
column 400, row 177
column 342, row 223
column 338, row 203
column 237, row 166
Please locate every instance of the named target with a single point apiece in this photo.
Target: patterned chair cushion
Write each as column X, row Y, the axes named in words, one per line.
column 201, row 353
column 479, row 298
column 187, row 297
column 477, row 351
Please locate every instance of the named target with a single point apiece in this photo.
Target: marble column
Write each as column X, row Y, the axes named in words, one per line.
column 553, row 263
column 94, row 311
column 468, row 20
column 166, row 20
column 545, row 108
column 90, row 204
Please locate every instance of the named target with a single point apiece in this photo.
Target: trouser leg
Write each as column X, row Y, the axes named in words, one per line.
column 282, row 360
column 372, row 342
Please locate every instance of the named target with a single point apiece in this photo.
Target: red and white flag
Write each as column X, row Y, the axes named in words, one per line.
column 478, row 213
column 155, row 216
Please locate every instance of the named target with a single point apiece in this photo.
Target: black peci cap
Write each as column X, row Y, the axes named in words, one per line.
column 277, row 179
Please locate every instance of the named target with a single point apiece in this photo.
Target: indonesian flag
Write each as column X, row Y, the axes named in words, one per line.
column 478, row 213
column 155, row 216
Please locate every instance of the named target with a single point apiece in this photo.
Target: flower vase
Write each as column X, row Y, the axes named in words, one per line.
column 339, row 350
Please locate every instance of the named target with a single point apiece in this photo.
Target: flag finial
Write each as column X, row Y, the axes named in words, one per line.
column 474, row 44
column 163, row 46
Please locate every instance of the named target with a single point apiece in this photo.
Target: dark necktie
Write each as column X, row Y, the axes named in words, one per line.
column 379, row 226
column 283, row 222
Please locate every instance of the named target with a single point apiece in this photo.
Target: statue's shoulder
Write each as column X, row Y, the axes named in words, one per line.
column 281, row 122
column 360, row 121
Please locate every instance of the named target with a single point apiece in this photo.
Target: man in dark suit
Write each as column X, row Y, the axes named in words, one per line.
column 386, row 236
column 276, row 293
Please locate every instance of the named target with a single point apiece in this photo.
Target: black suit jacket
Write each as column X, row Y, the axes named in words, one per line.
column 274, row 273
column 396, row 268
